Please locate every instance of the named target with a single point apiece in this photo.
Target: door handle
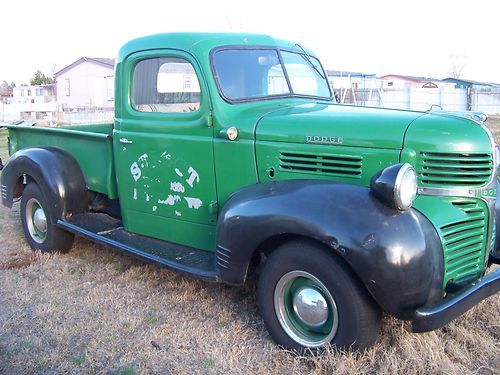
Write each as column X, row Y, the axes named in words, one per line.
column 125, row 140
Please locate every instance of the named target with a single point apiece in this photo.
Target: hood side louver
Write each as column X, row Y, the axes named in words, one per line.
column 323, row 164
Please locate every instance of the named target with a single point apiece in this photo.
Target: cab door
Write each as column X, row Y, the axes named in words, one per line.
column 164, row 149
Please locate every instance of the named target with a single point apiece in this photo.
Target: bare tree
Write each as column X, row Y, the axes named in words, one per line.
column 5, row 88
column 457, row 65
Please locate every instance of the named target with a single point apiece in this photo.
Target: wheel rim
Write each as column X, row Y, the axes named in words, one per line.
column 36, row 220
column 305, row 309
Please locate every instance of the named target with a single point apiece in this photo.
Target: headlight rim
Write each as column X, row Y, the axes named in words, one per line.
column 405, row 167
column 387, row 183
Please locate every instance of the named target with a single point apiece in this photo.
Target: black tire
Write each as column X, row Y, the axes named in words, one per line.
column 50, row 239
column 358, row 316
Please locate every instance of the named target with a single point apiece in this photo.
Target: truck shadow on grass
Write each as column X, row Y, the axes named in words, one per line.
column 161, row 279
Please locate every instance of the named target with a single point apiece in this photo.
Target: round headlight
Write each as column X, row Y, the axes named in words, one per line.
column 405, row 187
column 396, row 185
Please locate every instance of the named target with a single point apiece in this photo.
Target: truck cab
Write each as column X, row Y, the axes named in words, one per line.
column 172, row 124
column 228, row 152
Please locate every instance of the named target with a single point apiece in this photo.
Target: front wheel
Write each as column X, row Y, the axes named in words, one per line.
column 308, row 300
column 38, row 225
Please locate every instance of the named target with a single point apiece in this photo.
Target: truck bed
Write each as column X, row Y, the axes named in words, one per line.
column 91, row 145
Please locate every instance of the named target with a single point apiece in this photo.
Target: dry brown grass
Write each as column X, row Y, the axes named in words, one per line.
column 96, row 310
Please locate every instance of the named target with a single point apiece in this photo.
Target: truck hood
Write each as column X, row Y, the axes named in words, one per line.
column 448, row 132
column 336, row 124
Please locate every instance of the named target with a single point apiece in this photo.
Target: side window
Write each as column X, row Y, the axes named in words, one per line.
column 166, row 84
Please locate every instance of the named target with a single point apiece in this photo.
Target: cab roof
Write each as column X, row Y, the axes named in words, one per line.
column 201, row 42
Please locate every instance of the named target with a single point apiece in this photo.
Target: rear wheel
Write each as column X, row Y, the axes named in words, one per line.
column 38, row 225
column 309, row 300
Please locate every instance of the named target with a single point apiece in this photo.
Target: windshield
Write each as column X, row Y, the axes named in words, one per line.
column 250, row 74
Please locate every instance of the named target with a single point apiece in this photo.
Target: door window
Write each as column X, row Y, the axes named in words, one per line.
column 165, row 84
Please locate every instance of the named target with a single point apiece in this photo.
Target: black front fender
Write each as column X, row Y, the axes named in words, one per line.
column 55, row 171
column 396, row 254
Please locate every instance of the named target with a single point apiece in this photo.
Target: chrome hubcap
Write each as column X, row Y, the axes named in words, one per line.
column 310, row 307
column 36, row 220
column 306, row 309
column 40, row 220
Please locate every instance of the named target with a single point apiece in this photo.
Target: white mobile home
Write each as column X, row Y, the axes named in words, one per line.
column 88, row 83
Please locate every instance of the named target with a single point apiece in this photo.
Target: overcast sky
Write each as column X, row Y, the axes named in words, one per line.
column 400, row 37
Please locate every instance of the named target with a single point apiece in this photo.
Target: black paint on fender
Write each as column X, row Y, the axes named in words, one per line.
column 397, row 255
column 55, row 171
column 383, row 184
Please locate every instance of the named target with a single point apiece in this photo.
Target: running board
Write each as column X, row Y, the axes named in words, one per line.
column 107, row 230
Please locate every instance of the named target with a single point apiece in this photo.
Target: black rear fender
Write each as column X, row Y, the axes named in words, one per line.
column 55, row 171
column 396, row 254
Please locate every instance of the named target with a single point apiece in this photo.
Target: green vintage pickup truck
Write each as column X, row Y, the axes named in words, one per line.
column 229, row 155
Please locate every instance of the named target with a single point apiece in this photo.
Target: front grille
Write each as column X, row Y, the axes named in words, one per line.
column 331, row 164
column 464, row 242
column 454, row 169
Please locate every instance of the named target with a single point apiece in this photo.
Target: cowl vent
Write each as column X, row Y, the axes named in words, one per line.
column 326, row 164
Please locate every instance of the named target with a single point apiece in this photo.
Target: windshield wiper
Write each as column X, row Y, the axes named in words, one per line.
column 309, row 60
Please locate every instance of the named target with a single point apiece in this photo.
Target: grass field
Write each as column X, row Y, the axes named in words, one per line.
column 96, row 310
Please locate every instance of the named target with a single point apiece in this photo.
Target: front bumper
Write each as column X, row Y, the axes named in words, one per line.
column 433, row 317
